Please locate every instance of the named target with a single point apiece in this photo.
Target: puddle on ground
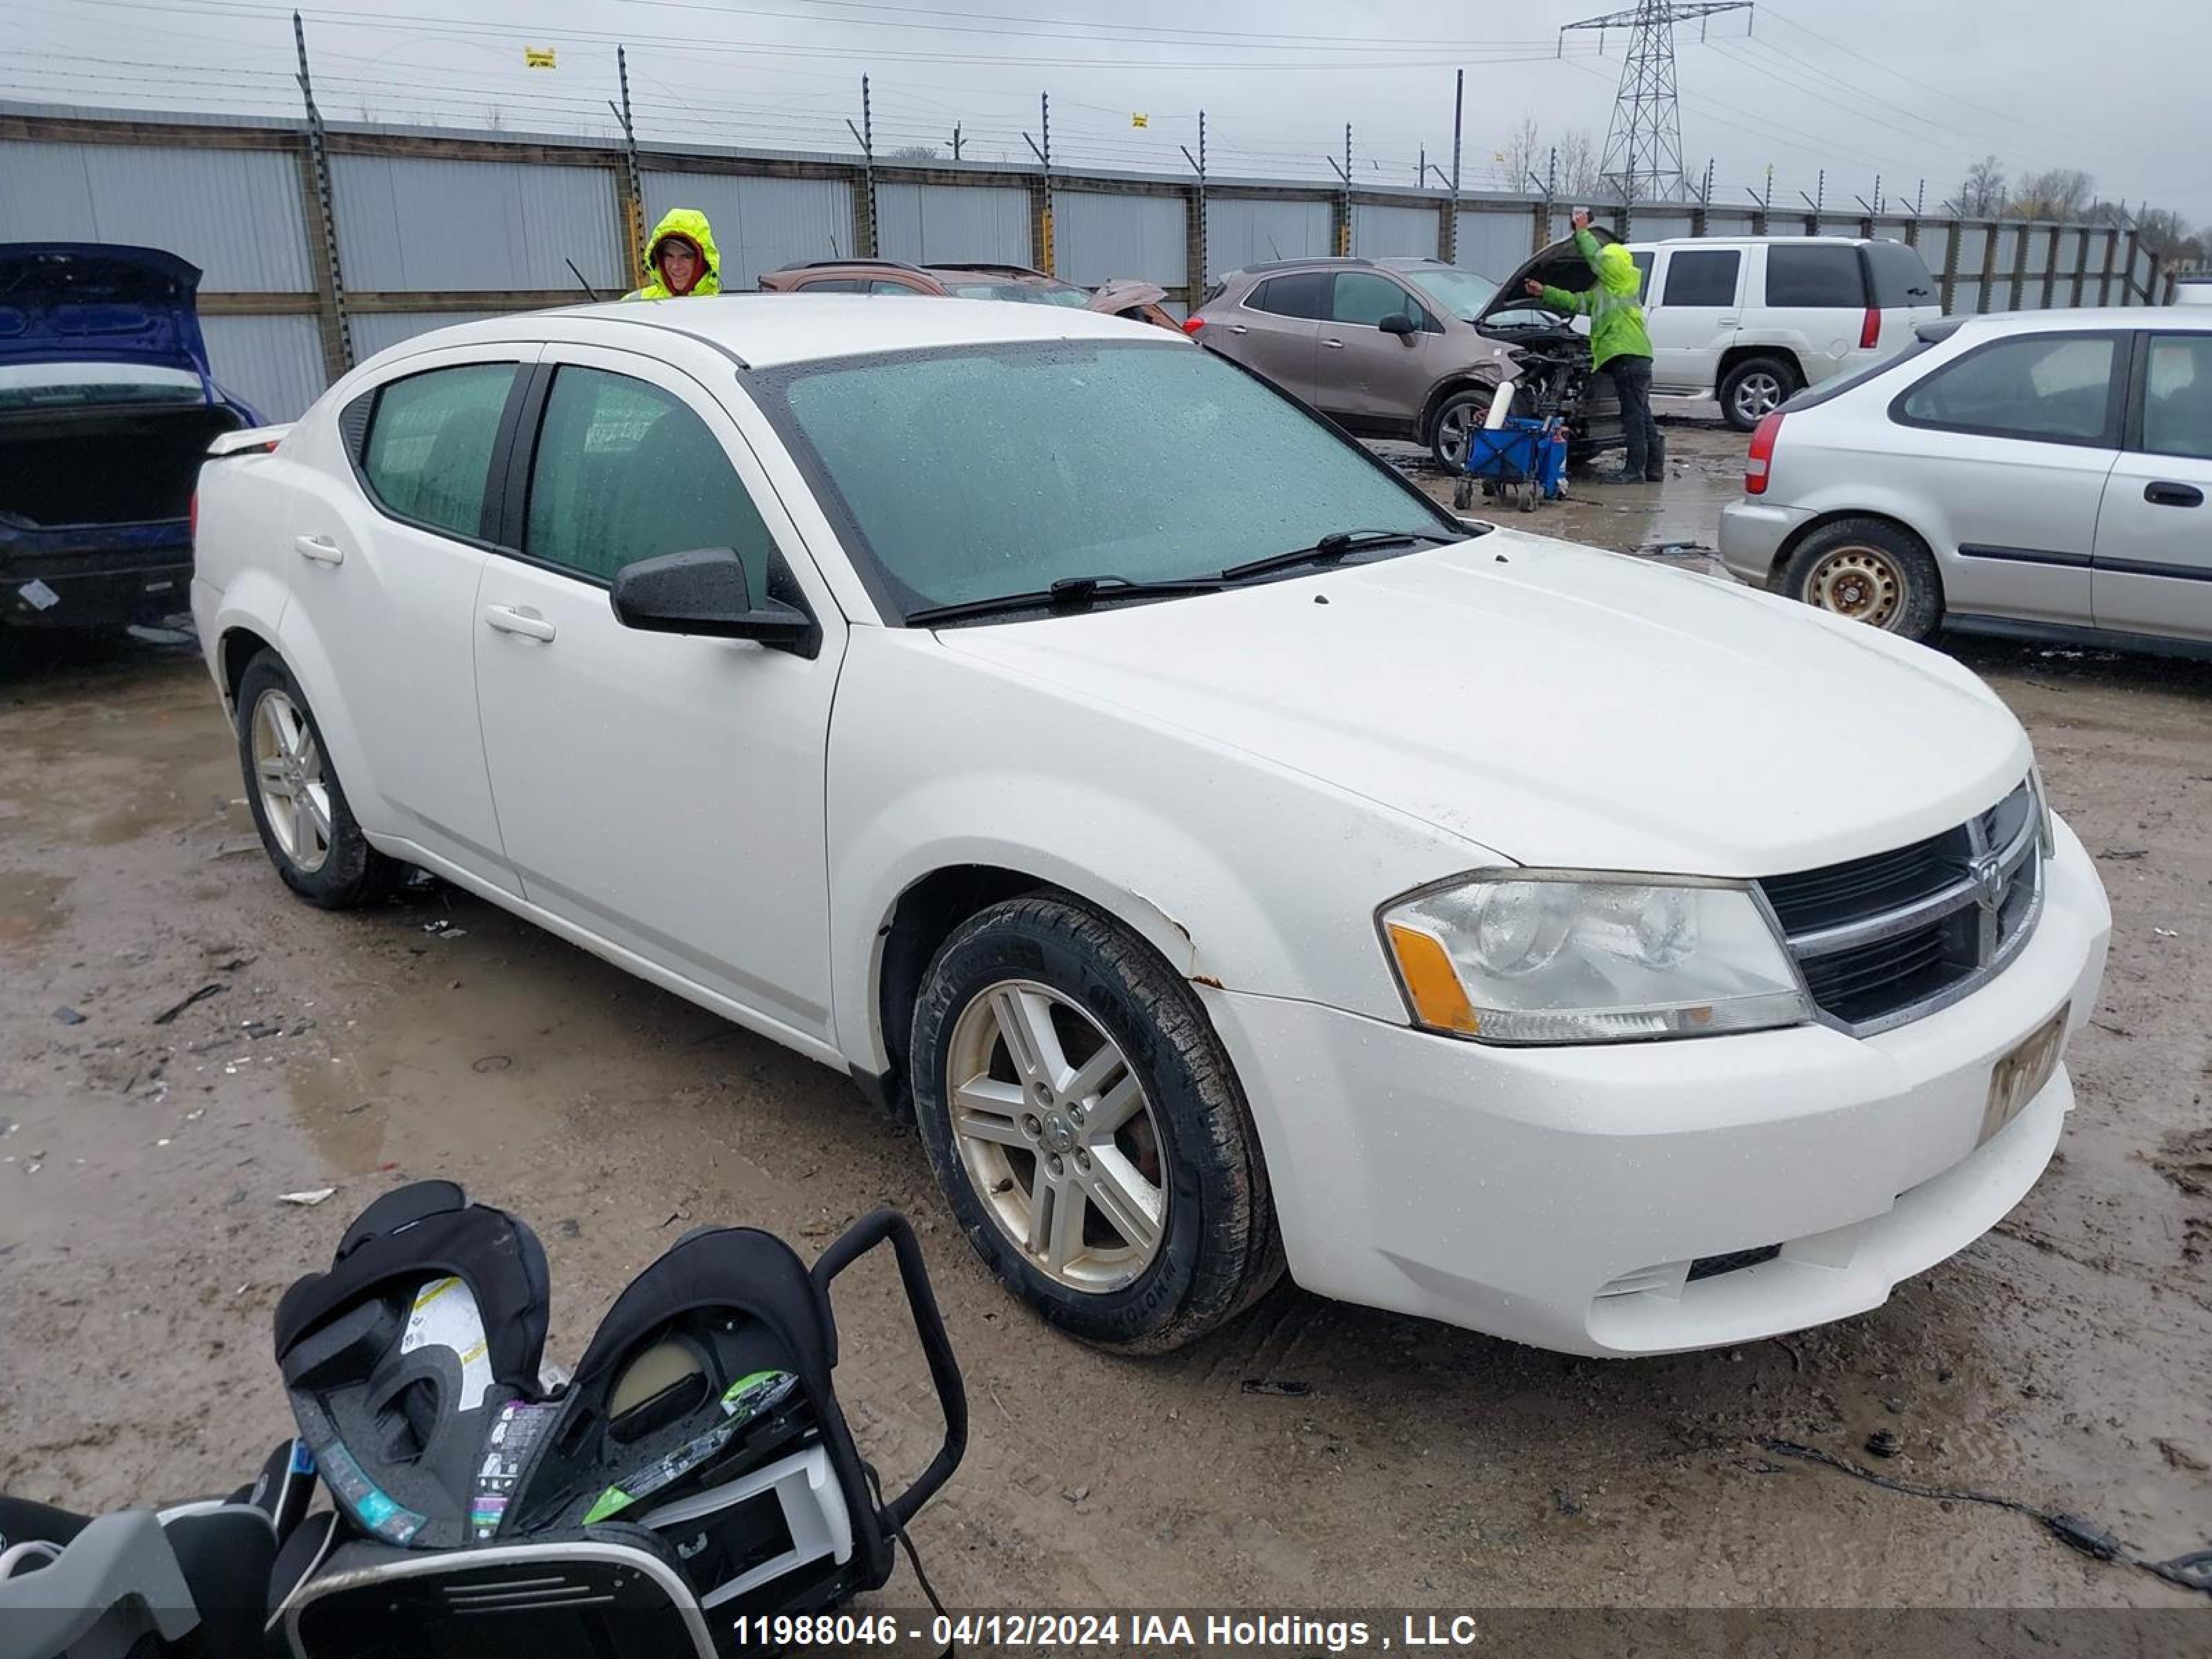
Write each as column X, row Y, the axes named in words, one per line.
column 30, row 906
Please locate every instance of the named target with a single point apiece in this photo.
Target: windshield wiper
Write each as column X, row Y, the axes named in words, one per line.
column 1068, row 593
column 1335, row 545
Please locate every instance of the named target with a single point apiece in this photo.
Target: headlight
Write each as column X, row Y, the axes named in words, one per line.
column 2046, row 834
column 1531, row 956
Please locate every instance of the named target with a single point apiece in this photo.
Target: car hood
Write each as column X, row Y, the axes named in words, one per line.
column 99, row 301
column 1557, row 706
column 1560, row 265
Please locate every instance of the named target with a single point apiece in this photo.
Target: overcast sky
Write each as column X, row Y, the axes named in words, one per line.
column 1900, row 89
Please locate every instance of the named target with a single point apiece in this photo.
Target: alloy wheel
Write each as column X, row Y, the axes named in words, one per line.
column 1055, row 1133
column 288, row 773
column 1758, row 395
column 1863, row 583
column 1452, row 428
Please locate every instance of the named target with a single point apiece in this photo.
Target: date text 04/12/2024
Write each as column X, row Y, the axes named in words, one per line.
column 1168, row 1633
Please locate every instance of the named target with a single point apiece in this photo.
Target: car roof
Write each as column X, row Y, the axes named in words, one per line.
column 1759, row 242
column 2195, row 319
column 767, row 330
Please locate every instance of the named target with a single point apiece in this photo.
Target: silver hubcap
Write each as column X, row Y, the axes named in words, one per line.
column 1056, row 1135
column 287, row 771
column 1757, row 396
column 1863, row 583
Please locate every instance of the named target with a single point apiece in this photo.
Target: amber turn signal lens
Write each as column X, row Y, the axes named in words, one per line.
column 1439, row 999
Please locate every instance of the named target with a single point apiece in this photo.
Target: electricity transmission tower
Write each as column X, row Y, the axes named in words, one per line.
column 1644, row 145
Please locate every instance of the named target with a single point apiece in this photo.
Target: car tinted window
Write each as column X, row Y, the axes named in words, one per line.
column 835, row 285
column 1900, row 277
column 625, row 472
column 974, row 472
column 1821, row 276
column 1643, row 271
column 430, row 443
column 1702, row 276
column 2177, row 396
column 879, row 286
column 2053, row 387
column 1363, row 299
column 1305, row 295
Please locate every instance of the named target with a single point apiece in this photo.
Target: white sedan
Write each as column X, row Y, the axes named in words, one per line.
column 1231, row 861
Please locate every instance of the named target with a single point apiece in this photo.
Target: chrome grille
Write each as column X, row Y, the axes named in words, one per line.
column 1893, row 936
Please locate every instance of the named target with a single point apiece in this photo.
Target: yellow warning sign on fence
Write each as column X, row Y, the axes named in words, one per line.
column 538, row 57
column 1139, row 119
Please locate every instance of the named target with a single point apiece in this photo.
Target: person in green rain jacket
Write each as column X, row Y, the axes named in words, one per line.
column 681, row 259
column 1618, row 345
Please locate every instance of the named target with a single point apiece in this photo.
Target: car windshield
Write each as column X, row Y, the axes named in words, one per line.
column 980, row 471
column 1026, row 294
column 1459, row 293
column 58, row 385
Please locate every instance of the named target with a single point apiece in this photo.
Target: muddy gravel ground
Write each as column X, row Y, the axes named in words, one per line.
column 1310, row 1453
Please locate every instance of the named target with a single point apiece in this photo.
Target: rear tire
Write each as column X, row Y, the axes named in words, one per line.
column 1455, row 418
column 1869, row 570
column 298, row 804
column 1755, row 388
column 1093, row 1095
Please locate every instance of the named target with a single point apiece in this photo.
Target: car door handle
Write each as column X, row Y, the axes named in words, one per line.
column 321, row 549
column 1334, row 346
column 2162, row 494
column 511, row 619
column 1238, row 328
column 1730, row 322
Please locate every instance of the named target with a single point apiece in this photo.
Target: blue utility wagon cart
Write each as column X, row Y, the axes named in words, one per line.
column 1519, row 461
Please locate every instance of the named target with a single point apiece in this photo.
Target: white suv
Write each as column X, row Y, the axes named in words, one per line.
column 1751, row 319
column 1227, row 858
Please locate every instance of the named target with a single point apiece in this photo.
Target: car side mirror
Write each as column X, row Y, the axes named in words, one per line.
column 1400, row 323
column 705, row 592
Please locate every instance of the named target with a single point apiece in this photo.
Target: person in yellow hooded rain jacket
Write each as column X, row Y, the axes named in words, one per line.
column 681, row 258
column 1618, row 346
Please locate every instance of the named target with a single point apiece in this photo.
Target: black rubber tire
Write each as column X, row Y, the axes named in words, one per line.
column 1475, row 398
column 1920, row 607
column 1221, row 1251
column 1784, row 372
column 355, row 873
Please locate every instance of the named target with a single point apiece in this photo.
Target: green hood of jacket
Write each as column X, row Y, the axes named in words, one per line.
column 692, row 225
column 1616, row 320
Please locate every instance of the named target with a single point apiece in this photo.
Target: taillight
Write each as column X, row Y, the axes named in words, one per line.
column 1870, row 330
column 1759, row 464
column 1192, row 323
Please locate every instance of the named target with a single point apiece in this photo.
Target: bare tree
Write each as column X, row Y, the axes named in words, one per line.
column 2056, row 193
column 1523, row 154
column 914, row 153
column 1578, row 159
column 1982, row 195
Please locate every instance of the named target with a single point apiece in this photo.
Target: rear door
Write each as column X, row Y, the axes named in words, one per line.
column 1366, row 377
column 380, row 624
column 660, row 794
column 1816, row 304
column 1276, row 332
column 1698, row 294
column 2154, row 569
column 2013, row 441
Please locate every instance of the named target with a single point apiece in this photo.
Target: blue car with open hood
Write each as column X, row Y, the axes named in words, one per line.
column 108, row 407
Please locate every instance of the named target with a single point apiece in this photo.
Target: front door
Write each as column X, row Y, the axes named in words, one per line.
column 380, row 627
column 1367, row 378
column 1694, row 318
column 662, row 793
column 2154, row 567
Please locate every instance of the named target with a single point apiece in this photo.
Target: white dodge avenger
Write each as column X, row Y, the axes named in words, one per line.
column 1232, row 862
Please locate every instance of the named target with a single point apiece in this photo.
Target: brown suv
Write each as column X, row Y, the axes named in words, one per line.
column 967, row 282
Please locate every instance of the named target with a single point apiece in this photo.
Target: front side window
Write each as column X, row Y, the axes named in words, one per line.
column 980, row 471
column 430, row 439
column 1364, row 298
column 2053, row 388
column 627, row 471
column 1304, row 295
column 879, row 285
column 1702, row 276
column 2178, row 396
column 1823, row 277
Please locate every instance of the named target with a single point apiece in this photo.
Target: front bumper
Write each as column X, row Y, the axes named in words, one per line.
column 1752, row 536
column 1558, row 1196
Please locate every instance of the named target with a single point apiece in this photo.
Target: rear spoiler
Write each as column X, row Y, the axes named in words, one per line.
column 262, row 438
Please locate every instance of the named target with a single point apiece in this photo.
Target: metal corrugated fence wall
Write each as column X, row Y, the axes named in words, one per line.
column 434, row 228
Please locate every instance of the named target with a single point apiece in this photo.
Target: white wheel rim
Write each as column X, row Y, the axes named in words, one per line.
column 1064, row 1153
column 289, row 776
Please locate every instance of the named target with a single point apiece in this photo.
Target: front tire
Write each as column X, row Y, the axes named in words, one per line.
column 1869, row 570
column 297, row 805
column 1755, row 388
column 1087, row 1129
column 1456, row 416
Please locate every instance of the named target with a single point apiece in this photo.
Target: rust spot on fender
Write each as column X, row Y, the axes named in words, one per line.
column 1208, row 981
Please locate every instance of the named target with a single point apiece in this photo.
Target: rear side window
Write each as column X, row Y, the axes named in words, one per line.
column 428, row 453
column 626, row 472
column 1821, row 276
column 1364, row 298
column 1901, row 276
column 1702, row 276
column 2047, row 388
column 1305, row 295
column 2177, row 396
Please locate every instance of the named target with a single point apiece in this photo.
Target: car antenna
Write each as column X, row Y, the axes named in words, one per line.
column 580, row 283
